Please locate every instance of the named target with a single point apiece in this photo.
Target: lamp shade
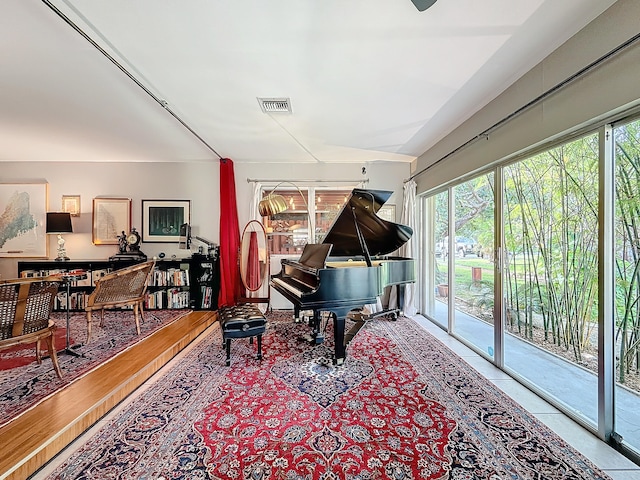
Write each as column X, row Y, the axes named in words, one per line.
column 272, row 204
column 59, row 222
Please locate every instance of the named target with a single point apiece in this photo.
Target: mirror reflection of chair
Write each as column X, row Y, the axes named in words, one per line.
column 254, row 264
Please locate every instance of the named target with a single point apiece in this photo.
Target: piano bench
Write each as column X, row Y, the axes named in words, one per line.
column 241, row 321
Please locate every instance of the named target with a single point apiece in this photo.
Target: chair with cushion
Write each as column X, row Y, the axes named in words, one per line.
column 25, row 311
column 123, row 288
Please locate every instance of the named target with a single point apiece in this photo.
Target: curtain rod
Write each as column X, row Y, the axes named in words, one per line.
column 538, row 99
column 266, row 180
column 160, row 101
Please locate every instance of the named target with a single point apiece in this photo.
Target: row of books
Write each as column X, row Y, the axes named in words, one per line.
column 172, row 298
column 77, row 301
column 92, row 276
column 169, row 277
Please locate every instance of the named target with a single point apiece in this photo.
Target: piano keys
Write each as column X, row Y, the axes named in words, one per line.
column 349, row 269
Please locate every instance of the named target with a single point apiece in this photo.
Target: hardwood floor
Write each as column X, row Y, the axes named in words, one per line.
column 36, row 436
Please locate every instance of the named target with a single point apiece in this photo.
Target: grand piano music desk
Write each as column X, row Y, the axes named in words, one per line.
column 241, row 321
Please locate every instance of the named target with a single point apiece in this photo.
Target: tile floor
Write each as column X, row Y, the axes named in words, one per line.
column 614, row 464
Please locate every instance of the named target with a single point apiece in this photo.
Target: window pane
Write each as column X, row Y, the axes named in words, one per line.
column 551, row 273
column 288, row 232
column 473, row 265
column 436, row 291
column 627, row 253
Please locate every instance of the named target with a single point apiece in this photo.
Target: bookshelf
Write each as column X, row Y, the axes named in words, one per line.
column 174, row 284
column 205, row 281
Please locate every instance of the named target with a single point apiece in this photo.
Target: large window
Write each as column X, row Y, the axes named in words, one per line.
column 563, row 322
column 311, row 212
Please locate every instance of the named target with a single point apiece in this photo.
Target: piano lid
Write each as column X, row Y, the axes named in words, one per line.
column 381, row 236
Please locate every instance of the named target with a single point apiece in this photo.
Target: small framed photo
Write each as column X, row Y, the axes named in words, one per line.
column 111, row 217
column 161, row 219
column 388, row 212
column 71, row 204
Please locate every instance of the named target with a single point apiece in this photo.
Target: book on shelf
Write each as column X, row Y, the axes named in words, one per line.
column 205, row 296
column 177, row 298
column 170, row 277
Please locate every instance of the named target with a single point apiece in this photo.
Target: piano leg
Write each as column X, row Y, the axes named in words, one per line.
column 338, row 338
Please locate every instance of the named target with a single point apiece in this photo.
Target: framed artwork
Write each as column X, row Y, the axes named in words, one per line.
column 111, row 217
column 23, row 220
column 388, row 213
column 71, row 204
column 161, row 219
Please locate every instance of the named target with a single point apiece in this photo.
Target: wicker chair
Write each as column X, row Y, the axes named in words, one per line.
column 25, row 311
column 124, row 287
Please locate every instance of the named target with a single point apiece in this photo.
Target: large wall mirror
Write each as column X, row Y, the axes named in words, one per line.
column 254, row 261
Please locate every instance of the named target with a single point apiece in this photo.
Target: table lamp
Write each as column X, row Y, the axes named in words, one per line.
column 59, row 223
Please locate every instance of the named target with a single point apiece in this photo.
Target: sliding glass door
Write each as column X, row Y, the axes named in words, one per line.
column 551, row 273
column 626, row 326
column 470, row 248
column 566, row 313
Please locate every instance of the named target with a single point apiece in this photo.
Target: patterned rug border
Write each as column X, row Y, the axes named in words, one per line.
column 48, row 369
column 405, row 334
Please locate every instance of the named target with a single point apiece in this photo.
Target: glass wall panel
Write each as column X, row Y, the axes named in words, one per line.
column 551, row 273
column 627, row 262
column 471, row 249
column 436, row 296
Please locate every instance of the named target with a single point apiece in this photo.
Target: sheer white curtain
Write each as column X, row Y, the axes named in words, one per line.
column 255, row 199
column 409, row 249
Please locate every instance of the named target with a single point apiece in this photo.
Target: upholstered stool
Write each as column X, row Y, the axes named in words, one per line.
column 241, row 321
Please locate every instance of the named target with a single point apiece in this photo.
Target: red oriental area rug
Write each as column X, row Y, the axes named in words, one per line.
column 403, row 406
column 24, row 383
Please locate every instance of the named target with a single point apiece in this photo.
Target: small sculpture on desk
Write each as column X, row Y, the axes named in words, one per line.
column 122, row 243
column 62, row 251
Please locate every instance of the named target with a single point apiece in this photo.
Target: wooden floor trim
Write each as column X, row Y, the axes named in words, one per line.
column 39, row 434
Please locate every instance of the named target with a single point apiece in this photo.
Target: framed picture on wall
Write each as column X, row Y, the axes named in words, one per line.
column 161, row 219
column 23, row 220
column 71, row 204
column 111, row 217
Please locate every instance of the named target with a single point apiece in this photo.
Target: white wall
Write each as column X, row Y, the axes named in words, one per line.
column 381, row 175
column 198, row 182
column 605, row 90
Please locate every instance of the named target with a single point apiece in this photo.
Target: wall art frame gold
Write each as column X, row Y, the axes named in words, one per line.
column 71, row 204
column 110, row 217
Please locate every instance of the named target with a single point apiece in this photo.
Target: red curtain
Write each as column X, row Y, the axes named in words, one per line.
column 229, row 236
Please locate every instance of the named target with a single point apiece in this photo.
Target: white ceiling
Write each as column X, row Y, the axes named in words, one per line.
column 369, row 80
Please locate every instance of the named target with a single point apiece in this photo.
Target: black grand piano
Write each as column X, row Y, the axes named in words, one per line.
column 349, row 269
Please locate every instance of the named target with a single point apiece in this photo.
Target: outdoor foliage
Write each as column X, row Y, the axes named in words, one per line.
column 627, row 234
column 551, row 242
column 551, row 239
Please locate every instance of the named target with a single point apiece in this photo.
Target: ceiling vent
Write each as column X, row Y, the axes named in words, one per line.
column 275, row 105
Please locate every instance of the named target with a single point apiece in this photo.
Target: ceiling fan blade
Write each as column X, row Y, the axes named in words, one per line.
column 422, row 5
